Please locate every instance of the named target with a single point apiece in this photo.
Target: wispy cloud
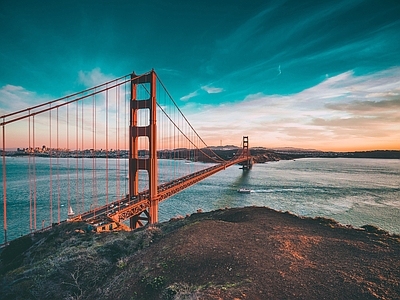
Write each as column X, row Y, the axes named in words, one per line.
column 188, row 96
column 208, row 89
column 212, row 90
column 13, row 98
column 93, row 77
column 169, row 72
column 367, row 106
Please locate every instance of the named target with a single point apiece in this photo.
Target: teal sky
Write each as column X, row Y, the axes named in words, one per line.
column 310, row 74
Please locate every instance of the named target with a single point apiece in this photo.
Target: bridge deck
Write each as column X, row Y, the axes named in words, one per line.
column 125, row 208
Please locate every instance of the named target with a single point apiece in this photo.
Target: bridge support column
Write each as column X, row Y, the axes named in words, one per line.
column 149, row 164
column 153, row 211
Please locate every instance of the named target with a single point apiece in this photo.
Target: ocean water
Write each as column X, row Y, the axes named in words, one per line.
column 351, row 191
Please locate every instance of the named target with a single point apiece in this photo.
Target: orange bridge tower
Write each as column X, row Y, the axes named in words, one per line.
column 246, row 165
column 150, row 131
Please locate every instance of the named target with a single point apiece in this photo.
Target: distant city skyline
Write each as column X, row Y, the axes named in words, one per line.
column 308, row 74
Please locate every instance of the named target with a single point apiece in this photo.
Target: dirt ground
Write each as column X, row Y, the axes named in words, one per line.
column 238, row 253
column 258, row 253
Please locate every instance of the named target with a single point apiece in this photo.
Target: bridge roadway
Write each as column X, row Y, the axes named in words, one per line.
column 125, row 208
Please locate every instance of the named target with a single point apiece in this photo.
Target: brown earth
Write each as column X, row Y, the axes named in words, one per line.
column 240, row 253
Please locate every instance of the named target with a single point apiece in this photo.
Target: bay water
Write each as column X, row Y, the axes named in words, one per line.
column 351, row 191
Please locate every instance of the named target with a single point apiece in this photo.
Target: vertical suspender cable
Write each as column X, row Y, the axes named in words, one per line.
column 34, row 173
column 30, row 174
column 93, row 153
column 77, row 158
column 148, row 133
column 68, row 166
column 126, row 129
column 174, row 147
column 95, row 150
column 170, row 144
column 51, row 174
column 83, row 160
column 116, row 143
column 106, row 147
column 4, row 184
column 117, row 140
column 171, row 139
column 136, row 126
column 58, row 174
column 159, row 133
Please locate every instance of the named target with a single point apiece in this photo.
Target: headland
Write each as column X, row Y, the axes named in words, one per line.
column 238, row 253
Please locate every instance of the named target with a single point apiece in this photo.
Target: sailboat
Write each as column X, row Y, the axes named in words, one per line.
column 70, row 212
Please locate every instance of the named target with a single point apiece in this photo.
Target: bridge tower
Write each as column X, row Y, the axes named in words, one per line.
column 246, row 152
column 150, row 131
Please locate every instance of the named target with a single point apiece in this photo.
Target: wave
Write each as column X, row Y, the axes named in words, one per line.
column 279, row 190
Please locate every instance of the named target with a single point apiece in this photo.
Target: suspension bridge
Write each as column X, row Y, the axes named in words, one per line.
column 107, row 155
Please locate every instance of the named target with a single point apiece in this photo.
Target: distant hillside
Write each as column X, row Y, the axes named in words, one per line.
column 291, row 153
column 261, row 154
column 293, row 149
column 241, row 253
column 392, row 154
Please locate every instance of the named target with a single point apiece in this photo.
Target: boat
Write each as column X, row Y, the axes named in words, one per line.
column 70, row 212
column 244, row 191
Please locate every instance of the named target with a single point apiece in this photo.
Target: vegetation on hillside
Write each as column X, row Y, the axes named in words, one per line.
column 240, row 253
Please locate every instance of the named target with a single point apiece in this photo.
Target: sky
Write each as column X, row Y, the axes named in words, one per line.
column 307, row 74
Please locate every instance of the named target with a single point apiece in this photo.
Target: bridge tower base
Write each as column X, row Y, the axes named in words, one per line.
column 150, row 131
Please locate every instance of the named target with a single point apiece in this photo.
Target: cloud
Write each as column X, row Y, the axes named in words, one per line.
column 14, row 98
column 332, row 114
column 169, row 72
column 94, row 77
column 208, row 89
column 212, row 90
column 382, row 95
column 358, row 106
column 191, row 95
